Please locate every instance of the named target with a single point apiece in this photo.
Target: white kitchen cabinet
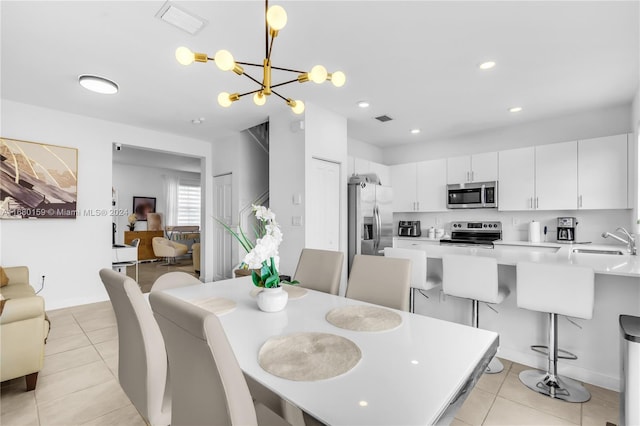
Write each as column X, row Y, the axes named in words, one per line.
column 602, row 173
column 404, row 187
column 383, row 172
column 414, row 244
column 557, row 176
column 432, row 185
column 473, row 168
column 516, row 179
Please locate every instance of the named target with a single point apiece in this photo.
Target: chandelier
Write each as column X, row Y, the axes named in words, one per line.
column 275, row 20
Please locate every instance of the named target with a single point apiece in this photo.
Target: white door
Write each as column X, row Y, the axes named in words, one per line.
column 602, row 173
column 516, row 179
column 484, row 167
column 432, row 185
column 222, row 187
column 557, row 176
column 459, row 169
column 323, row 212
column 404, row 187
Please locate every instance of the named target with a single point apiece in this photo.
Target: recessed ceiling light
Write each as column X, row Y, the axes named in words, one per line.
column 180, row 18
column 415, row 131
column 515, row 109
column 363, row 403
column 487, row 65
column 198, row 120
column 363, row 104
column 98, row 84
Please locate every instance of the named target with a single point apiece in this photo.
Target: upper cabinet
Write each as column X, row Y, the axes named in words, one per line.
column 577, row 175
column 602, row 173
column 404, row 177
column 516, row 182
column 419, row 187
column 473, row 168
column 557, row 176
column 359, row 166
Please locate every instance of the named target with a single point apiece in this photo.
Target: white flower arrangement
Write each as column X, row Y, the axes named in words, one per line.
column 263, row 255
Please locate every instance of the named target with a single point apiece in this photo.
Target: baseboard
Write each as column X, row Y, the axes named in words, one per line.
column 566, row 369
column 67, row 303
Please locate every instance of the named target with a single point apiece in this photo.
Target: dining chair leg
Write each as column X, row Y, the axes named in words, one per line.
column 412, row 300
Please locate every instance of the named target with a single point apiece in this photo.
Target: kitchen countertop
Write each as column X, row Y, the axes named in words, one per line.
column 625, row 265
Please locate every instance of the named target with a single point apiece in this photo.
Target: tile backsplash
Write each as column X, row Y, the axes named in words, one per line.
column 515, row 225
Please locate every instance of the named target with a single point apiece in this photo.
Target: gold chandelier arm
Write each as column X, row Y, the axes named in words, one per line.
column 286, row 82
column 254, row 80
column 279, row 95
column 251, row 64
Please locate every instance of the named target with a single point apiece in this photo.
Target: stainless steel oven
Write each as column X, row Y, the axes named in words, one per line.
column 475, row 234
column 476, row 195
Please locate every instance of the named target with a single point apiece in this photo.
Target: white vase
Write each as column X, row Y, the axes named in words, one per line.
column 272, row 299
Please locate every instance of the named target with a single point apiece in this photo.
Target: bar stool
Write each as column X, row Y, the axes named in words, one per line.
column 474, row 278
column 420, row 280
column 556, row 290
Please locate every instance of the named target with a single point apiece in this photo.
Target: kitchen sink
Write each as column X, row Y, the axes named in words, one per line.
column 598, row 251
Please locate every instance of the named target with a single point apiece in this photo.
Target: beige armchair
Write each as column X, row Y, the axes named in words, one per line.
column 162, row 247
column 23, row 329
column 195, row 254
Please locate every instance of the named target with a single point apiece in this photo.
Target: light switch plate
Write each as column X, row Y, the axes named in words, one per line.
column 296, row 220
column 296, row 199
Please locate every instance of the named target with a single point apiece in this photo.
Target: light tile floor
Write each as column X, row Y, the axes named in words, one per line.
column 79, row 385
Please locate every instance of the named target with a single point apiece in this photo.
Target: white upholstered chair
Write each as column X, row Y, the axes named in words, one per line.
column 420, row 281
column 173, row 280
column 207, row 383
column 380, row 280
column 320, row 270
column 163, row 247
column 142, row 359
column 556, row 290
column 474, row 278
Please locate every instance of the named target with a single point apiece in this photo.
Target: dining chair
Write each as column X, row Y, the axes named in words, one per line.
column 420, row 279
column 380, row 280
column 320, row 270
column 173, row 280
column 142, row 359
column 207, row 383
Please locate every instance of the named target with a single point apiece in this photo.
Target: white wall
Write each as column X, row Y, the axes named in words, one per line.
column 291, row 152
column 583, row 125
column 635, row 155
column 240, row 155
column 142, row 181
column 71, row 252
column 359, row 149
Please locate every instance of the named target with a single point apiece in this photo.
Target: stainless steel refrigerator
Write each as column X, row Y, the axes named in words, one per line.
column 370, row 216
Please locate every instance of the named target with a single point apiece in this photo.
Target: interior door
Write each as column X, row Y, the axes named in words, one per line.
column 323, row 215
column 223, row 187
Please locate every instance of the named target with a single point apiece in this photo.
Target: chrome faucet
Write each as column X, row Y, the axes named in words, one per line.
column 631, row 242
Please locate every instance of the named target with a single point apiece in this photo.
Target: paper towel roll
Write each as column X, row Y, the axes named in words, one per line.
column 534, row 232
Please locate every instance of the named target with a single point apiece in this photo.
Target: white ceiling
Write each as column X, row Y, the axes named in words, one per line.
column 415, row 61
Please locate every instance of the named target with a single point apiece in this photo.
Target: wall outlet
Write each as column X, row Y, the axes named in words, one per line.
column 515, row 221
column 296, row 220
column 438, row 221
column 296, row 199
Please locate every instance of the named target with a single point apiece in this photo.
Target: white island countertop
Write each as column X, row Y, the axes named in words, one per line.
column 623, row 265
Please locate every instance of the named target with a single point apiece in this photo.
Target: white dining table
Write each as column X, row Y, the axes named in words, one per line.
column 419, row 373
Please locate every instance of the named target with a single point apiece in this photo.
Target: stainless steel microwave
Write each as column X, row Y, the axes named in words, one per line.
column 476, row 195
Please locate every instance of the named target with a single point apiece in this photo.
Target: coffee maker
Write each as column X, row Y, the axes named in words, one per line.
column 566, row 229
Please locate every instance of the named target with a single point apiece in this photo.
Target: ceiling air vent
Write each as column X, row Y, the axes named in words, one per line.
column 383, row 118
column 180, row 18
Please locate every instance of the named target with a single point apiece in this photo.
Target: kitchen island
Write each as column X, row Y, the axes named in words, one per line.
column 597, row 344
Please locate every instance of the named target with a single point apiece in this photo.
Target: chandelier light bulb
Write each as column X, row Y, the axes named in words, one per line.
column 338, row 78
column 318, row 74
column 298, row 107
column 224, row 60
column 224, row 99
column 185, row 56
column 259, row 99
column 276, row 17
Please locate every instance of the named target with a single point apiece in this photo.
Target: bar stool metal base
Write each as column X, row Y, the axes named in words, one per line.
column 494, row 367
column 557, row 387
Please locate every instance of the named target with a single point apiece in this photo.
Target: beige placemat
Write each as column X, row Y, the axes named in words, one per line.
column 294, row 291
column 308, row 356
column 364, row 318
column 217, row 305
